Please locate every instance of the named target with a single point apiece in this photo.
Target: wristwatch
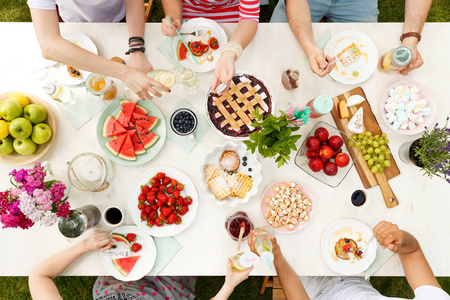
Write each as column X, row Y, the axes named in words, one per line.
column 411, row 34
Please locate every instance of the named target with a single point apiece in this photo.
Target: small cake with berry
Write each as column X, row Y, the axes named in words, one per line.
column 346, row 246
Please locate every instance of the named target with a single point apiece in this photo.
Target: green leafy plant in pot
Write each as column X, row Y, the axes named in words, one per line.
column 275, row 139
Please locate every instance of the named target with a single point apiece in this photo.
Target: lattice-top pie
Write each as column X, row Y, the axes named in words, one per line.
column 232, row 113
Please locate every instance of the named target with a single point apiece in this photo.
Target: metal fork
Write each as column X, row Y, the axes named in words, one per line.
column 194, row 33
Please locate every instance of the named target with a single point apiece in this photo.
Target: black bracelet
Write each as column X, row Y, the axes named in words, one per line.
column 135, row 39
column 132, row 50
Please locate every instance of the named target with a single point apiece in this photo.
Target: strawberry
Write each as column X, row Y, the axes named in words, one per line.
column 189, row 200
column 141, row 206
column 148, row 209
column 159, row 222
column 154, row 189
column 168, row 222
column 178, row 220
column 154, row 182
column 159, row 203
column 151, row 196
column 143, row 216
column 150, row 223
column 152, row 215
column 160, row 175
column 162, row 197
column 176, row 193
column 166, row 180
column 145, row 189
column 142, row 197
column 173, row 182
column 185, row 208
column 180, row 186
column 136, row 247
column 166, row 211
column 170, row 200
column 180, row 201
column 162, row 187
column 185, row 201
column 172, row 218
column 162, row 217
column 172, row 207
column 155, row 207
column 169, row 190
column 180, row 211
column 131, row 237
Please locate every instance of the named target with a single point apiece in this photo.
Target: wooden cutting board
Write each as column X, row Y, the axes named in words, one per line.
column 370, row 123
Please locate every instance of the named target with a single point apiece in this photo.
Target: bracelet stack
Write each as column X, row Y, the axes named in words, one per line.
column 233, row 47
column 135, row 44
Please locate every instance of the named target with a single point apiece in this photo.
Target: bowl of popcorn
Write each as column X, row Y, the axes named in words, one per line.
column 286, row 206
column 407, row 107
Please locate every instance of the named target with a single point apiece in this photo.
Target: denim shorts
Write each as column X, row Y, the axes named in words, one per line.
column 333, row 11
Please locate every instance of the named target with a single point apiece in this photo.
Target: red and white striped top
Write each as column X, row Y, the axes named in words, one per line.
column 222, row 11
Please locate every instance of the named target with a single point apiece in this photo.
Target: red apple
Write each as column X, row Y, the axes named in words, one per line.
column 335, row 142
column 312, row 153
column 330, row 169
column 342, row 160
column 324, row 143
column 325, row 160
column 312, row 143
column 326, row 152
column 337, row 151
column 315, row 164
column 322, row 134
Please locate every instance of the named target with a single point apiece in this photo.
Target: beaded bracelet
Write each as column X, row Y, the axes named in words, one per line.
column 233, row 47
column 132, row 50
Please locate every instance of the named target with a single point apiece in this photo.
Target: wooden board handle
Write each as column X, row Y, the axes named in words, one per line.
column 389, row 197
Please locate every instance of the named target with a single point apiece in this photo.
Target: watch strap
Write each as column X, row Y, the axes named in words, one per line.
column 411, row 34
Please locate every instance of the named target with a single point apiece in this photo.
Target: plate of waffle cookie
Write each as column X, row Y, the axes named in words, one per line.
column 230, row 174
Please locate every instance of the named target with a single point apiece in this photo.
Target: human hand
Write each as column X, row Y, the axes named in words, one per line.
column 232, row 279
column 168, row 29
column 224, row 70
column 99, row 240
column 416, row 61
column 391, row 237
column 318, row 63
column 141, row 84
column 140, row 61
column 276, row 250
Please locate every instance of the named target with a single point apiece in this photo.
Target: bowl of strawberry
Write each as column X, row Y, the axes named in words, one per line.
column 324, row 156
column 163, row 201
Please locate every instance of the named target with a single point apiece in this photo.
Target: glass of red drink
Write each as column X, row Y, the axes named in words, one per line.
column 233, row 225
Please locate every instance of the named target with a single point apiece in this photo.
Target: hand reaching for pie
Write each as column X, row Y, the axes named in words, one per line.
column 224, row 70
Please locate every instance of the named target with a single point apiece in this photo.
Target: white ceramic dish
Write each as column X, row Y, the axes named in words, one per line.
column 425, row 94
column 165, row 230
column 365, row 65
column 349, row 229
column 204, row 25
column 145, row 263
column 212, row 158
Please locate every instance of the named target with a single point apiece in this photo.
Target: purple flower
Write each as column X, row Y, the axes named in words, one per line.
column 57, row 191
column 63, row 210
column 430, row 150
column 14, row 208
column 9, row 221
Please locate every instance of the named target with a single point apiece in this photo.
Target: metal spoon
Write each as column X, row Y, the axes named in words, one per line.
column 194, row 33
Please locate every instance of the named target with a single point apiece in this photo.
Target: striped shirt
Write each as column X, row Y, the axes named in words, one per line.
column 222, row 11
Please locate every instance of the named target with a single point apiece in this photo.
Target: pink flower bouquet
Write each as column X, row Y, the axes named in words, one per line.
column 32, row 200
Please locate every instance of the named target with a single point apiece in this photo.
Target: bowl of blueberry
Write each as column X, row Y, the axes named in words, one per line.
column 183, row 122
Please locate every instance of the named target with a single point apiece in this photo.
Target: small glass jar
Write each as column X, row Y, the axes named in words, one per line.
column 189, row 79
column 100, row 85
column 233, row 225
column 56, row 91
column 320, row 106
column 289, row 79
column 396, row 59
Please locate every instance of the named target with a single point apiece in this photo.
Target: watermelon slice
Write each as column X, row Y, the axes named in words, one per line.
column 122, row 119
column 112, row 128
column 140, row 110
column 181, row 51
column 148, row 138
column 137, row 144
column 131, row 132
column 116, row 144
column 125, row 264
column 145, row 121
column 120, row 238
column 128, row 108
column 127, row 151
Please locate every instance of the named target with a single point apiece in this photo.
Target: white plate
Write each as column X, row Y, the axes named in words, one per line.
column 145, row 263
column 212, row 158
column 165, row 230
column 352, row 266
column 59, row 72
column 205, row 25
column 365, row 64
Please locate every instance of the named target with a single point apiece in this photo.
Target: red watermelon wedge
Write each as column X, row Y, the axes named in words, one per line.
column 125, row 264
column 131, row 132
column 122, row 119
column 128, row 108
column 116, row 144
column 112, row 128
column 181, row 51
column 145, row 121
column 127, row 151
column 140, row 110
column 148, row 138
column 137, row 144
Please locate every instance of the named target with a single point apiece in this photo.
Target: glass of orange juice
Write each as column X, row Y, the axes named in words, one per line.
column 102, row 86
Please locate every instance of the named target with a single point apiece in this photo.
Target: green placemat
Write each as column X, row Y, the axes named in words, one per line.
column 183, row 141
column 166, row 248
column 166, row 49
column 159, row 129
column 382, row 256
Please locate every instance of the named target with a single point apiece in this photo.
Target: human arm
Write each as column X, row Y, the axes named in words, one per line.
column 174, row 10
column 416, row 12
column 299, row 17
column 55, row 47
column 232, row 280
column 417, row 270
column 41, row 277
column 290, row 282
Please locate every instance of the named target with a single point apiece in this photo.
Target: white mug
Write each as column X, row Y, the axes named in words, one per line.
column 109, row 217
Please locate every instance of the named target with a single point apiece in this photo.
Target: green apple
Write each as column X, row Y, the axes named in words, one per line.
column 35, row 113
column 6, row 146
column 20, row 128
column 10, row 110
column 24, row 147
column 41, row 133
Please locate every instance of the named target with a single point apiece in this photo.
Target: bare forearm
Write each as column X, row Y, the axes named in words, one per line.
column 135, row 12
column 173, row 8
column 224, row 292
column 299, row 17
column 245, row 32
column 416, row 12
column 290, row 282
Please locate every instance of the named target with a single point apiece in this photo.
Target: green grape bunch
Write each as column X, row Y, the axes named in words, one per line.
column 374, row 150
